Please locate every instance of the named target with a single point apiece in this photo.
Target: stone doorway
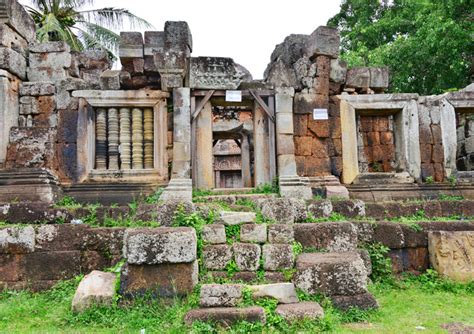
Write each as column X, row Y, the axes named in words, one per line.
column 233, row 143
column 465, row 140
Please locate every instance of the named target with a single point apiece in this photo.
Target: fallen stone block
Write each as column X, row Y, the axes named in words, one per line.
column 214, row 234
column 226, row 295
column 331, row 273
column 236, row 218
column 256, row 233
column 364, row 301
column 216, row 257
column 300, row 311
column 160, row 245
column 96, row 288
column 285, row 293
column 333, row 237
column 247, row 256
column 160, row 280
column 451, row 254
column 13, row 62
column 277, row 257
column 280, row 234
column 283, row 210
column 226, row 316
column 17, row 240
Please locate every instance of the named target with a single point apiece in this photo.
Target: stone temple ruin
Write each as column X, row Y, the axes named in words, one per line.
column 70, row 125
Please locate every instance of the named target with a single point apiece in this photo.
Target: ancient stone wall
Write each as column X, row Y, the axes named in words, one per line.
column 465, row 141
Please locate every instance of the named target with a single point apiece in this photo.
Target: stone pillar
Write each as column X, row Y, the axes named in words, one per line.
column 245, row 158
column 113, row 138
column 125, row 139
column 449, row 136
column 101, row 139
column 203, row 158
column 9, row 109
column 260, row 146
column 291, row 185
column 137, row 138
column 180, row 186
column 148, row 137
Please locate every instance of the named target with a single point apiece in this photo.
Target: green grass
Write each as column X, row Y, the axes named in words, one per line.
column 423, row 301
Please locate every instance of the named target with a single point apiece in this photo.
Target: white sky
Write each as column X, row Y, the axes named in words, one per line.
column 246, row 30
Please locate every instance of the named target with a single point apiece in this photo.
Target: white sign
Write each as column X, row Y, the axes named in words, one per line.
column 320, row 114
column 233, row 96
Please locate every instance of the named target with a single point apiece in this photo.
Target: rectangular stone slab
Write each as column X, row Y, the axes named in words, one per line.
column 452, row 254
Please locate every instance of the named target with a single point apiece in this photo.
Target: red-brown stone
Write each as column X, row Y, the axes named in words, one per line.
column 318, row 148
column 426, row 152
column 303, row 146
column 300, row 124
column 319, row 128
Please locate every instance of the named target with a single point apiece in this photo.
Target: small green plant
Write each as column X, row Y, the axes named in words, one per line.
column 381, row 263
column 202, row 192
column 444, row 197
column 68, row 202
column 453, row 181
column 231, row 268
column 232, row 234
column 155, row 197
column 429, row 180
column 297, row 249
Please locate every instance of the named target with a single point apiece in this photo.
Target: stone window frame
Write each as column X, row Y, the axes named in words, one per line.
column 407, row 146
column 450, row 105
column 90, row 99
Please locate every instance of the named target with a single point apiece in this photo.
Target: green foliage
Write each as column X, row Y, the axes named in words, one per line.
column 429, row 180
column 431, row 281
column 232, row 234
column 453, row 181
column 297, row 249
column 381, row 263
column 426, row 44
column 91, row 218
column 231, row 268
column 67, row 20
column 202, row 193
column 68, row 202
column 444, row 197
column 155, row 197
column 333, row 217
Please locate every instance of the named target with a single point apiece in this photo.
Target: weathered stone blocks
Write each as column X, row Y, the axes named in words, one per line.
column 283, row 210
column 226, row 316
column 363, row 301
column 331, row 273
column 256, row 233
column 216, row 257
column 300, row 311
column 17, row 240
column 333, row 237
column 323, row 41
column 160, row 245
column 226, row 295
column 236, row 218
column 285, row 293
column 94, row 289
column 277, row 256
column 214, row 234
column 13, row 62
column 247, row 256
column 280, row 234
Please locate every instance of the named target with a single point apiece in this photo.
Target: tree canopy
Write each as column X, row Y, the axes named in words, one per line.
column 427, row 44
column 67, row 20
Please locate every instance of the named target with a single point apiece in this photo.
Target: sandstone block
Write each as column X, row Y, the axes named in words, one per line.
column 389, row 234
column 17, row 240
column 37, row 89
column 13, row 62
column 300, row 311
column 236, row 218
column 51, row 266
column 49, row 67
column 379, row 77
column 320, row 208
column 363, row 301
column 338, row 71
column 323, row 41
column 165, row 211
column 358, row 77
column 96, row 288
column 214, row 234
column 216, row 257
column 110, row 80
column 226, row 316
column 304, row 103
column 178, row 36
column 247, row 256
column 451, row 254
column 49, row 47
column 333, row 237
column 331, row 273
column 337, row 192
column 283, row 210
column 277, row 257
column 161, row 280
column 160, row 245
column 350, row 208
column 226, row 295
column 280, row 234
column 16, row 17
column 256, row 233
column 285, row 293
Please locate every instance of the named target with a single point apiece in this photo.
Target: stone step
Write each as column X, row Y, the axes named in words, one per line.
column 233, row 198
column 332, row 274
column 226, row 316
column 300, row 311
column 225, row 295
column 331, row 236
column 285, row 293
column 236, row 218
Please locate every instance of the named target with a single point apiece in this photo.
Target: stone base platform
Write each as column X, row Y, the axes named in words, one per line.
column 395, row 192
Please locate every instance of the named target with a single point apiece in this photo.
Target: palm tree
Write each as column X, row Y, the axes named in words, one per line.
column 66, row 20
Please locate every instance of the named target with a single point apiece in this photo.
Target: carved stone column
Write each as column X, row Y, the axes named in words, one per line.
column 180, row 186
column 125, row 139
column 148, row 137
column 113, row 138
column 137, row 138
column 291, row 185
column 101, row 139
column 261, row 149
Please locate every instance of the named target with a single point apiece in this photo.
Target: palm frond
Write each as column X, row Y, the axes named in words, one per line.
column 101, row 36
column 114, row 18
column 92, row 42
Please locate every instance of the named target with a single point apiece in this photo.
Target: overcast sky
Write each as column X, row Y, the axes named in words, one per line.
column 246, row 30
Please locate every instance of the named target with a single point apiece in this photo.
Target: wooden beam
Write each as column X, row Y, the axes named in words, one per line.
column 262, row 103
column 202, row 103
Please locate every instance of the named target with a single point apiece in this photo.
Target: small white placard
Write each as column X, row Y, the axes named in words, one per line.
column 233, row 96
column 320, row 114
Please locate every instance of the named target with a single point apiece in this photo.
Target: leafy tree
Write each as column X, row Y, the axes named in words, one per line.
column 67, row 20
column 427, row 44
